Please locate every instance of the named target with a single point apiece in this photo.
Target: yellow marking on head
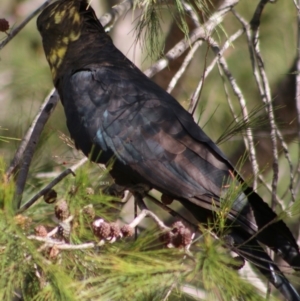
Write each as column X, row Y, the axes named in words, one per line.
column 74, row 35
column 76, row 17
column 61, row 51
column 59, row 16
column 59, row 61
column 72, row 11
column 52, row 58
column 65, row 40
column 52, row 12
column 53, row 72
column 56, row 56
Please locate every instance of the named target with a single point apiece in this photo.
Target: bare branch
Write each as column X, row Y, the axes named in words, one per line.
column 199, row 33
column 264, row 89
column 266, row 98
column 59, row 244
column 36, row 131
column 196, row 94
column 109, row 19
column 60, row 177
column 298, row 81
column 149, row 213
column 53, row 98
column 171, row 211
column 15, row 31
column 265, row 92
column 183, row 66
column 237, row 91
column 188, row 8
column 255, row 22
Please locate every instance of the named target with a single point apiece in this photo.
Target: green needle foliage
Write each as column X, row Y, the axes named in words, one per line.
column 129, row 269
column 149, row 28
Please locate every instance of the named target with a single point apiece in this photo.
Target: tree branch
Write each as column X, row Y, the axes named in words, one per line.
column 34, row 133
column 59, row 178
column 15, row 31
column 199, row 33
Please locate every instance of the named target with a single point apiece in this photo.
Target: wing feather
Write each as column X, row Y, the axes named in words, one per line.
column 129, row 116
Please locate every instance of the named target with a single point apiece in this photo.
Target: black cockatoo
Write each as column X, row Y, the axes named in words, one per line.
column 115, row 112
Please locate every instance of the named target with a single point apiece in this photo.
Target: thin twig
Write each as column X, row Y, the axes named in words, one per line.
column 265, row 94
column 279, row 201
column 199, row 33
column 24, row 143
column 107, row 20
column 149, row 213
column 15, row 31
column 261, row 88
column 196, row 93
column 31, row 146
column 297, row 5
column 297, row 99
column 194, row 16
column 236, row 119
column 238, row 92
column 266, row 97
column 110, row 18
column 289, row 160
column 183, row 66
column 50, row 242
column 171, row 211
column 255, row 22
column 229, row 101
column 55, row 230
column 60, row 177
column 61, row 245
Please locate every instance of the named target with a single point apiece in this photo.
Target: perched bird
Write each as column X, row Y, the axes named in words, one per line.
column 114, row 112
